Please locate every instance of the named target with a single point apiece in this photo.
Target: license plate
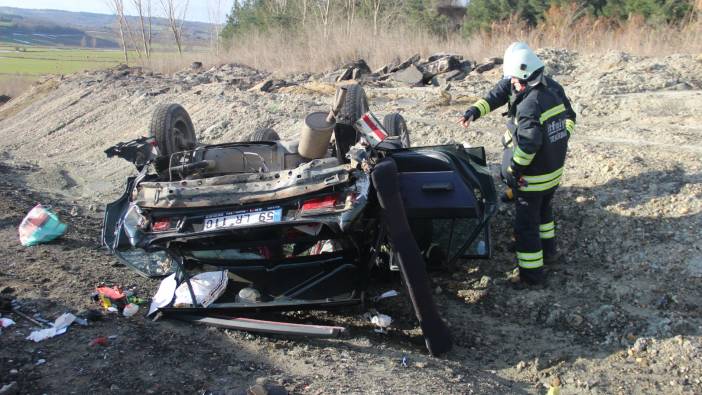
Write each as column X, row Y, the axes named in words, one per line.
column 242, row 218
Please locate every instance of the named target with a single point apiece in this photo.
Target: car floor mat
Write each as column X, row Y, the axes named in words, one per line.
column 436, row 334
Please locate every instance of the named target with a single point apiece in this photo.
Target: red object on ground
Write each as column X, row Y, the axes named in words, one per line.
column 99, row 341
column 114, row 293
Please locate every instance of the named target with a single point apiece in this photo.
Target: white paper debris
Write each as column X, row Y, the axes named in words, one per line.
column 59, row 327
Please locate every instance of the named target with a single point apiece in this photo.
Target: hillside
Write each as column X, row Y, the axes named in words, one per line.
column 40, row 27
column 621, row 314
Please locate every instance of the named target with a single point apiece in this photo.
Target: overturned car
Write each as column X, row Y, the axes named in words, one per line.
column 296, row 225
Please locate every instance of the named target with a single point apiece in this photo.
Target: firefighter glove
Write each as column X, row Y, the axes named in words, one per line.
column 513, row 178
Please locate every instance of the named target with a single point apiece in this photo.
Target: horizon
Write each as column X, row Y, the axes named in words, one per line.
column 197, row 11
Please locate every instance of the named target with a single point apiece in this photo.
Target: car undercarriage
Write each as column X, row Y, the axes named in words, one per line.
column 292, row 232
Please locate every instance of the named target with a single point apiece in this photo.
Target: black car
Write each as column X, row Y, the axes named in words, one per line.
column 292, row 232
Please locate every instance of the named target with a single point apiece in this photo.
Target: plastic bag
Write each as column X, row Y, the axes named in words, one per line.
column 207, row 287
column 41, row 225
column 164, row 295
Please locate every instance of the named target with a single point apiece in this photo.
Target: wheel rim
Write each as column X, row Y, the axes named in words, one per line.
column 180, row 139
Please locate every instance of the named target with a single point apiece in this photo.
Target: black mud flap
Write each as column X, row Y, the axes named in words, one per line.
column 436, row 334
column 113, row 236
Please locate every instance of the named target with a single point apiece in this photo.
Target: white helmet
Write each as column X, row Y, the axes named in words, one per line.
column 514, row 47
column 517, row 45
column 521, row 63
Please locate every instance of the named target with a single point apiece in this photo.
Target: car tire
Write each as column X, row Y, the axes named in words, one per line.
column 354, row 106
column 173, row 129
column 264, row 134
column 395, row 125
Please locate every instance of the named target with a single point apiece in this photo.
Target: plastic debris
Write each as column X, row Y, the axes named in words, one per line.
column 381, row 320
column 40, row 362
column 114, row 293
column 11, row 388
column 115, row 299
column 59, row 327
column 248, row 295
column 387, row 294
column 6, row 322
column 207, row 287
column 130, row 309
column 99, row 341
column 404, row 361
column 41, row 225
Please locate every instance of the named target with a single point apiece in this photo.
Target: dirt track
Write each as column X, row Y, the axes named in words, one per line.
column 621, row 314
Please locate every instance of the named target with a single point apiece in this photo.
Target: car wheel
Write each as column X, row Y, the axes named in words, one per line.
column 264, row 134
column 173, row 129
column 395, row 125
column 354, row 106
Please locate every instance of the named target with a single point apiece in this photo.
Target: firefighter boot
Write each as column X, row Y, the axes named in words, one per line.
column 532, row 276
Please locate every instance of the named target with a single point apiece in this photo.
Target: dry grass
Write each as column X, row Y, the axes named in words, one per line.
column 14, row 85
column 309, row 50
column 563, row 29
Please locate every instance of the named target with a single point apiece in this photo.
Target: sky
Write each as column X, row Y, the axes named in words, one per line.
column 198, row 10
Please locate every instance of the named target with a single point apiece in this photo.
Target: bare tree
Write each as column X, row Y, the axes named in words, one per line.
column 117, row 7
column 304, row 12
column 376, row 13
column 175, row 14
column 216, row 12
column 323, row 7
column 277, row 7
column 143, row 8
column 350, row 15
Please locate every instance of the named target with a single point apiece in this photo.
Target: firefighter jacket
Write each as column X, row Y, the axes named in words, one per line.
column 504, row 93
column 541, row 121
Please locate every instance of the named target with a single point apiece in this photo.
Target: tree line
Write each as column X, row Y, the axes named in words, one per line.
column 265, row 15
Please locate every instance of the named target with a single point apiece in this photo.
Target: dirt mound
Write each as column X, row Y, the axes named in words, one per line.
column 621, row 312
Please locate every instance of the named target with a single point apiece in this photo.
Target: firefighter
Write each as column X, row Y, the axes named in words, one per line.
column 540, row 122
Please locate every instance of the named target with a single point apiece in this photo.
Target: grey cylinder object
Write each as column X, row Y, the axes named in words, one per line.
column 315, row 136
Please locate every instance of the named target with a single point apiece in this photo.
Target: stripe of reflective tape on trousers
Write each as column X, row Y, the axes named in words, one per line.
column 547, row 230
column 530, row 260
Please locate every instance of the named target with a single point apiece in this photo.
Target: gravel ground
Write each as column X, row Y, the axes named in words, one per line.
column 620, row 314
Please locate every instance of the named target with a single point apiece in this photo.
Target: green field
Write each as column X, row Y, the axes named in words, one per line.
column 32, row 60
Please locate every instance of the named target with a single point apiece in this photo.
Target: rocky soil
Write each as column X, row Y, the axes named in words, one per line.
column 621, row 312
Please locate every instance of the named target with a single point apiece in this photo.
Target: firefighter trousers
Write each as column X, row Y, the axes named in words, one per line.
column 534, row 227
